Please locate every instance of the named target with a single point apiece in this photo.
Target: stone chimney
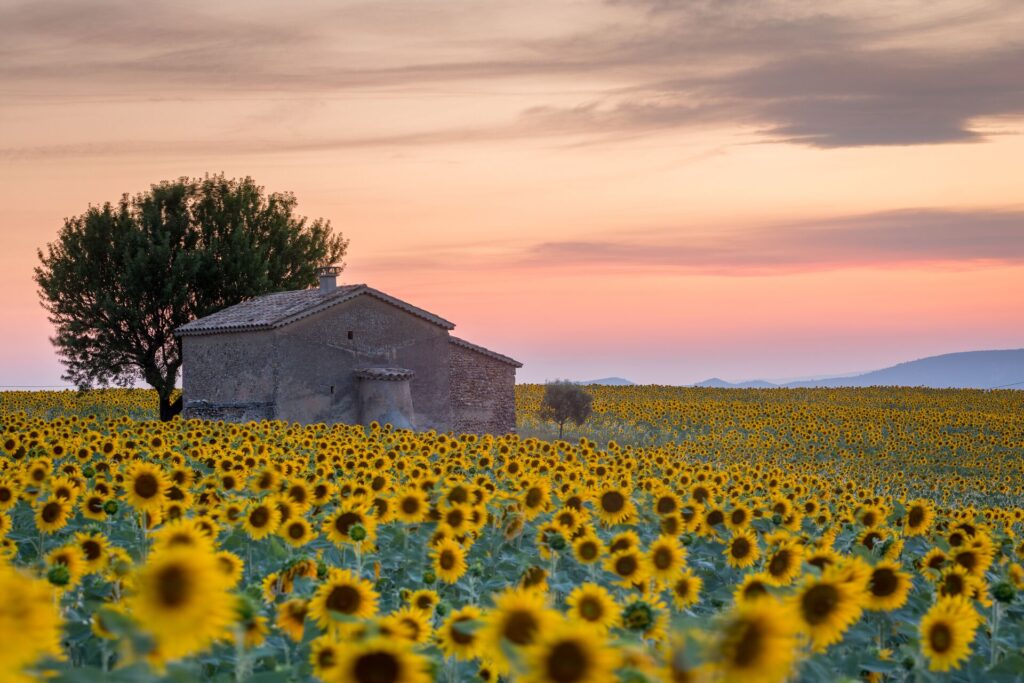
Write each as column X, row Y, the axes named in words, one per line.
column 328, row 277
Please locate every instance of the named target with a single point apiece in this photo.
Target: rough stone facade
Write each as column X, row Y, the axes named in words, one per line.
column 483, row 391
column 298, row 356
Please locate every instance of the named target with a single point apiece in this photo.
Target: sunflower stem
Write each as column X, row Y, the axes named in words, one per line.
column 993, row 649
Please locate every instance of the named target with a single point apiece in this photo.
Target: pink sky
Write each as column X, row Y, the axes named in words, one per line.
column 660, row 191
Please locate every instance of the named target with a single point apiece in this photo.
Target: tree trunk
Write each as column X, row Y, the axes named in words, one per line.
column 169, row 409
column 560, row 425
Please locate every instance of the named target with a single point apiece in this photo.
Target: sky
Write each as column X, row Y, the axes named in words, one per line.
column 663, row 190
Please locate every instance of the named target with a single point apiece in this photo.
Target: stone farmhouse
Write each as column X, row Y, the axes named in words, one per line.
column 346, row 353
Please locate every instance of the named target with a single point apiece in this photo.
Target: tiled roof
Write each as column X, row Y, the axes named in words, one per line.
column 487, row 352
column 276, row 310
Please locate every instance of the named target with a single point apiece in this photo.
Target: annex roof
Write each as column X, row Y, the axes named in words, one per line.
column 486, row 352
column 277, row 310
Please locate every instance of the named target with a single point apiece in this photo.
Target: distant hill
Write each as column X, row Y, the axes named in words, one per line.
column 716, row 383
column 965, row 370
column 609, row 381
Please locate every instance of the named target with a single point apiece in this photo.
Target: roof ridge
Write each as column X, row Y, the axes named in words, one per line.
column 264, row 312
column 458, row 341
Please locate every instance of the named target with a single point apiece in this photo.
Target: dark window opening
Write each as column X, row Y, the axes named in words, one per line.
column 350, row 334
column 332, row 388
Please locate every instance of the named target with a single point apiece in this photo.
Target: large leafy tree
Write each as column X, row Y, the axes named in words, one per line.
column 121, row 277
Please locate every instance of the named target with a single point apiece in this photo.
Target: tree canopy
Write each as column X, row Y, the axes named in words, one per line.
column 121, row 277
column 564, row 401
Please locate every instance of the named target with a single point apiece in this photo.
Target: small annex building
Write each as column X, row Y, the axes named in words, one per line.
column 347, row 353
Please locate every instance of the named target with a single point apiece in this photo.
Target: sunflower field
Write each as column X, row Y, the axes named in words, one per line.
column 680, row 535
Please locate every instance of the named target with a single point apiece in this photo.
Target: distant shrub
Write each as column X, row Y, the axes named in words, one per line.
column 565, row 401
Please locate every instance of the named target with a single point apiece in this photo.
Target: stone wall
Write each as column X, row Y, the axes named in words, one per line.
column 482, row 393
column 229, row 412
column 318, row 360
column 229, row 368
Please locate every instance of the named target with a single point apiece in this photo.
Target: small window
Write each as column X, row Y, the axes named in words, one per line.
column 350, row 335
column 332, row 388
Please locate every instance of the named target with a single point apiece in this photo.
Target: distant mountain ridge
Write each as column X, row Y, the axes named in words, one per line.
column 963, row 370
column 609, row 381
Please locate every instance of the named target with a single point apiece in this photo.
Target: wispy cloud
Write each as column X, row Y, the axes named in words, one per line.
column 825, row 75
column 908, row 238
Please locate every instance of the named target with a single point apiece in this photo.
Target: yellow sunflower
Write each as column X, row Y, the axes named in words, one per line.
column 377, row 660
column 783, row 565
column 756, row 642
column 345, row 594
column 686, row 589
column 52, row 515
column 517, row 620
column 145, row 486
column 825, row 607
column 666, row 557
column 449, row 560
column 458, row 635
column 888, row 587
column 592, row 604
column 30, row 622
column 181, row 598
column 947, row 630
column 742, row 550
column 570, row 653
column 261, row 520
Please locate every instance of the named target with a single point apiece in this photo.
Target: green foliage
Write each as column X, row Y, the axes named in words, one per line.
column 121, row 277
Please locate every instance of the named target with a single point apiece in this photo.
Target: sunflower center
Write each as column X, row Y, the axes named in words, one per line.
column 567, row 662
column 454, row 518
column 953, row 584
column 344, row 599
column 663, row 558
column 259, row 517
column 459, row 635
column 534, row 497
column 780, row 563
column 625, row 566
column 588, row 550
column 740, row 548
column 870, row 540
column 884, row 582
column 682, row 588
column 666, row 505
column 940, row 638
column 410, row 505
column 590, row 609
column 92, row 550
column 754, row 589
column 738, row 517
column 818, row 603
column 345, row 521
column 520, row 627
column 51, row 511
column 296, row 531
column 967, row 559
column 612, row 501
column 749, row 645
column 916, row 517
column 325, row 658
column 173, row 586
column 715, row 517
column 146, row 485
column 447, row 559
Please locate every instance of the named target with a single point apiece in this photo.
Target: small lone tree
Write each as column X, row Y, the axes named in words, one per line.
column 120, row 278
column 564, row 401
